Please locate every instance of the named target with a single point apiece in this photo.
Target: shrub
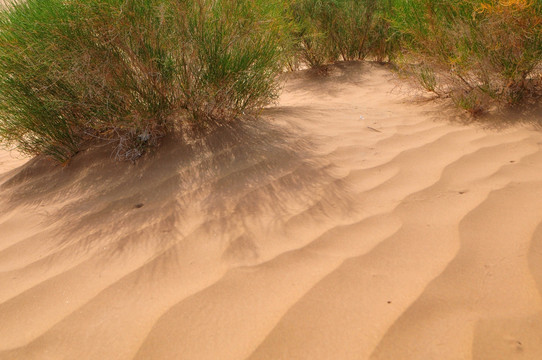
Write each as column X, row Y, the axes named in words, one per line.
column 490, row 48
column 330, row 30
column 130, row 71
column 234, row 53
column 384, row 40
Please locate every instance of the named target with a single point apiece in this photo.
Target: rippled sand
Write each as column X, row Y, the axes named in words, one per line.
column 352, row 223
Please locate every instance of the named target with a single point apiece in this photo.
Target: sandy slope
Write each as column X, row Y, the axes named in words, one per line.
column 324, row 235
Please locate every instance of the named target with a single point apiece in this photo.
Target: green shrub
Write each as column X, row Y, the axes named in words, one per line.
column 129, row 71
column 384, row 40
column 331, row 30
column 235, row 52
column 491, row 48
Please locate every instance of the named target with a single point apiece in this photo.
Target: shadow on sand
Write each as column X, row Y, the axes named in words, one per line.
column 239, row 180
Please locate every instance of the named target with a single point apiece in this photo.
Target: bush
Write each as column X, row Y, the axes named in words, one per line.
column 331, row 30
column 130, row 71
column 384, row 40
column 234, row 53
column 480, row 50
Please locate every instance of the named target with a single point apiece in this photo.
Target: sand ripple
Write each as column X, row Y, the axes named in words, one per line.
column 354, row 223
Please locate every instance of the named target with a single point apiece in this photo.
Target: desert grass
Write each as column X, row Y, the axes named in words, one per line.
column 477, row 52
column 131, row 71
column 328, row 31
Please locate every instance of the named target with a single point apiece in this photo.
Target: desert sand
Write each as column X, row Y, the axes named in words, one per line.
column 355, row 220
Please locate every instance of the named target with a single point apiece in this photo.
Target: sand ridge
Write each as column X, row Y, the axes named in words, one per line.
column 354, row 223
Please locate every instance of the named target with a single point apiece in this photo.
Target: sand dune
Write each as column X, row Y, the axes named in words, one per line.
column 353, row 223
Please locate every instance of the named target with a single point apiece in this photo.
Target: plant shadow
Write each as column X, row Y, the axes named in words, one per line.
column 234, row 188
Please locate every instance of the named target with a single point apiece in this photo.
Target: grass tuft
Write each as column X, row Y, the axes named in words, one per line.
column 327, row 31
column 491, row 49
column 130, row 71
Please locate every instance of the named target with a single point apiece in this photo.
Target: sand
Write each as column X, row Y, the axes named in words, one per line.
column 356, row 221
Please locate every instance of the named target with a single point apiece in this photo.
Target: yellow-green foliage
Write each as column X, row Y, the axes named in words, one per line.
column 329, row 30
column 128, row 71
column 490, row 48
